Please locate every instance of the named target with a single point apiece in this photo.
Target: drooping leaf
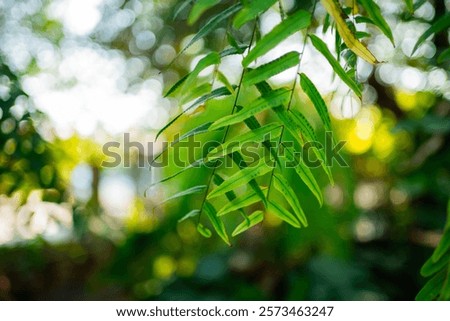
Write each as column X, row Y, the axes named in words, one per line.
column 212, row 24
column 431, row 267
column 204, row 231
column 442, row 248
column 410, row 6
column 269, row 100
column 251, row 10
column 192, row 213
column 335, row 10
column 299, row 20
column 219, row 92
column 282, row 185
column 246, row 199
column 224, row 80
column 441, row 24
column 216, row 222
column 176, row 86
column 374, row 12
column 212, row 58
column 181, row 8
column 189, row 191
column 240, row 178
column 261, row 134
column 203, row 128
column 283, row 214
column 432, row 288
column 272, row 68
column 313, row 94
column 233, row 51
column 444, row 56
column 323, row 49
column 242, row 164
column 305, row 175
column 253, row 219
column 199, row 7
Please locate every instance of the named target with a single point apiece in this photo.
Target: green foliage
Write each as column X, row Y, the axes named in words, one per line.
column 278, row 100
column 438, row 267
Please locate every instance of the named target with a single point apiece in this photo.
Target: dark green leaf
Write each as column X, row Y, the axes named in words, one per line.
column 283, row 214
column 251, row 10
column 282, row 185
column 199, row 7
column 218, row 225
column 441, row 24
column 375, row 14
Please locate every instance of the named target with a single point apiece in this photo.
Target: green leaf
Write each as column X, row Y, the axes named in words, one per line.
column 261, row 134
column 176, row 86
column 180, row 8
column 431, row 267
column 251, row 10
column 196, row 92
column 218, row 225
column 305, row 175
column 308, row 133
column 410, row 6
column 272, row 68
column 299, row 20
column 233, row 51
column 224, row 80
column 204, row 231
column 432, row 288
column 213, row 58
column 212, row 24
column 199, row 7
column 240, row 178
column 253, row 219
column 219, row 92
column 323, row 49
column 443, row 247
column 203, row 128
column 441, row 24
column 189, row 191
column 283, row 214
column 269, row 100
column 192, row 213
column 374, row 12
column 313, row 94
column 282, row 185
column 444, row 56
column 241, row 201
column 335, row 10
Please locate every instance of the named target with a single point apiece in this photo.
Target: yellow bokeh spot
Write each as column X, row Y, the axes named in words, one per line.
column 186, row 266
column 164, row 267
column 272, row 220
column 384, row 142
column 140, row 220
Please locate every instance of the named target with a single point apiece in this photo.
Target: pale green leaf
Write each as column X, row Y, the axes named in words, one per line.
column 213, row 58
column 272, row 68
column 253, row 219
column 192, row 213
column 299, row 20
column 189, row 191
column 204, row 231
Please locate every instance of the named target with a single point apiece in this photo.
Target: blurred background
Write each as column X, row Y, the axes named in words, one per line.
column 76, row 74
